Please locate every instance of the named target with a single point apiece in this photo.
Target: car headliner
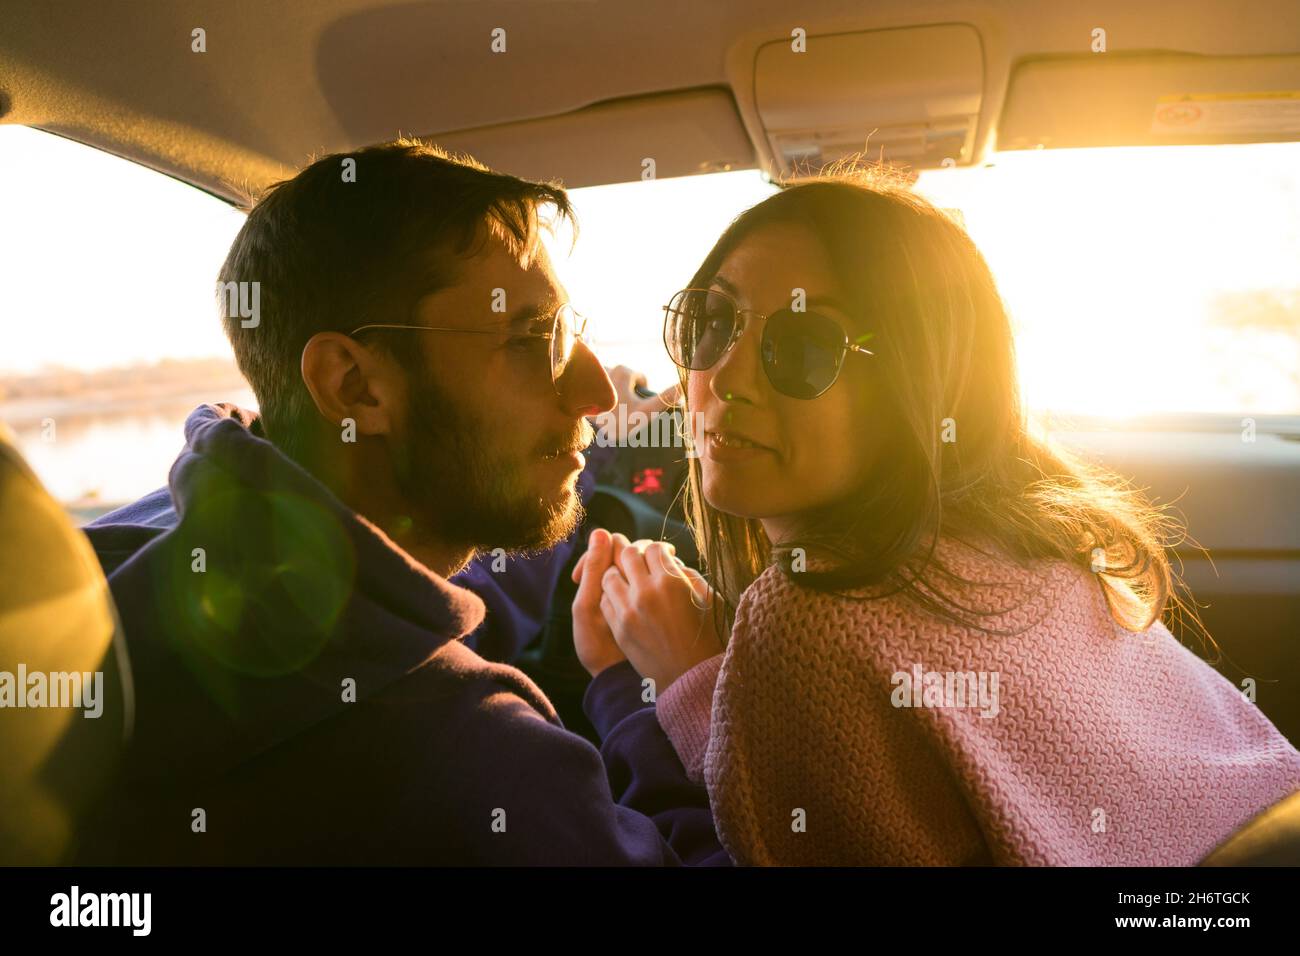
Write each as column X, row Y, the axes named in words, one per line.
column 281, row 82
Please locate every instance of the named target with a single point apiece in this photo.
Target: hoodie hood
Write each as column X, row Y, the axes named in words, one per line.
column 269, row 607
column 225, row 446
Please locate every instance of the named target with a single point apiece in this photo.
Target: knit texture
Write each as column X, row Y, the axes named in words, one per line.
column 683, row 712
column 1103, row 747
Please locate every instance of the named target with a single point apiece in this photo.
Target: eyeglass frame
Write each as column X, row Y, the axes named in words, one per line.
column 739, row 330
column 579, row 334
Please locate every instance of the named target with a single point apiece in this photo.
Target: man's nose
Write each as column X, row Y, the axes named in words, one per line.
column 584, row 386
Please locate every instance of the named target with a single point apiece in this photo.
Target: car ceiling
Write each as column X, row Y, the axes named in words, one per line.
column 281, row 82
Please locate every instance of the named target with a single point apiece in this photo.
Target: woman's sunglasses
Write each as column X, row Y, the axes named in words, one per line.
column 802, row 351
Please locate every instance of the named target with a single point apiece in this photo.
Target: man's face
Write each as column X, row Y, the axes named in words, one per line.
column 479, row 462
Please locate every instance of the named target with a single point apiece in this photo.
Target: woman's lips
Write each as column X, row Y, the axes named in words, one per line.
column 723, row 447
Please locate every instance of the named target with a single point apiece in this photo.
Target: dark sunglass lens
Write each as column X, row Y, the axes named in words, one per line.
column 698, row 328
column 802, row 352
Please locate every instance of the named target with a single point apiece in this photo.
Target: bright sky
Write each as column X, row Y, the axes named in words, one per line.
column 1111, row 263
column 1109, row 259
column 104, row 262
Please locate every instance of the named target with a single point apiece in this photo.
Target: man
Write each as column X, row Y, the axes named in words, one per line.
column 301, row 689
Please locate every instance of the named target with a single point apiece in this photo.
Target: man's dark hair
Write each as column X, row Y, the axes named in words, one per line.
column 332, row 251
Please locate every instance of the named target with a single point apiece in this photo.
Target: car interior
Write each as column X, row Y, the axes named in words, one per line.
column 702, row 88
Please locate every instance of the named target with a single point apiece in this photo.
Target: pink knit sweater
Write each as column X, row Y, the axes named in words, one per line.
column 1076, row 742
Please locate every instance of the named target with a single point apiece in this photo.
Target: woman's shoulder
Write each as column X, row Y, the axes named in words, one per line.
column 780, row 605
column 1002, row 591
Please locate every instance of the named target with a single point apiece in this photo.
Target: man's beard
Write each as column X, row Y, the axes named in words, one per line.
column 462, row 492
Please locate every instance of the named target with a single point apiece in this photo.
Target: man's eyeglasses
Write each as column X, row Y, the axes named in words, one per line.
column 568, row 328
column 802, row 352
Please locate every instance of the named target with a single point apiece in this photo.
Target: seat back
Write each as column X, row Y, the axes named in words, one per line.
column 1271, row 838
column 61, row 732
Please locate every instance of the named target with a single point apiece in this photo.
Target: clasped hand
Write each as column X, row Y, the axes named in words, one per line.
column 638, row 601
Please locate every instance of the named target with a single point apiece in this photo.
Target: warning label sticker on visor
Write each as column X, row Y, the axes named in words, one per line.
column 1274, row 113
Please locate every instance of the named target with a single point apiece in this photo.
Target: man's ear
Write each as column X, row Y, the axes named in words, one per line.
column 348, row 381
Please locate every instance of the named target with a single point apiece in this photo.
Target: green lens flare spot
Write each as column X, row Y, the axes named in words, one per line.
column 280, row 570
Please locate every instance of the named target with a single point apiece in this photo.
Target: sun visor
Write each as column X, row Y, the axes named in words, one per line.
column 624, row 140
column 909, row 96
column 1118, row 99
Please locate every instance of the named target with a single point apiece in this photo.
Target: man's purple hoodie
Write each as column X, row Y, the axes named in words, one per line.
column 303, row 695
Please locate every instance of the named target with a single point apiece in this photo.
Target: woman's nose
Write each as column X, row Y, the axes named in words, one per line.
column 738, row 375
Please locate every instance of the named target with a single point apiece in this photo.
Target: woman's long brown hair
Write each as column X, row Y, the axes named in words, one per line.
column 944, row 367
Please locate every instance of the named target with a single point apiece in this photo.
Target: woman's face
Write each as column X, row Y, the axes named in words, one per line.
column 811, row 452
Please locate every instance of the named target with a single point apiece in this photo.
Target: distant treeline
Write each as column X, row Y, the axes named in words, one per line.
column 169, row 376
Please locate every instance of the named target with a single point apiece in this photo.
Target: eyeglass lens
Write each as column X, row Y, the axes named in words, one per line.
column 801, row 351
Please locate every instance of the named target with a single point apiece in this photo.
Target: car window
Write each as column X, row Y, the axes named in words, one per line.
column 110, row 329
column 1144, row 280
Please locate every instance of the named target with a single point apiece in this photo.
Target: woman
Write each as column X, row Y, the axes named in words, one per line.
column 924, row 636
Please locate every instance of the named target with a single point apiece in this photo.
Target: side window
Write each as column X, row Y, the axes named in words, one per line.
column 111, row 334
column 1144, row 281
